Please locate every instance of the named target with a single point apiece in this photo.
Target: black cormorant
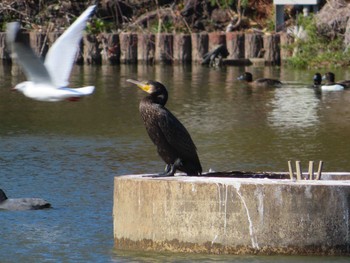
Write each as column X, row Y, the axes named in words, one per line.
column 174, row 143
column 262, row 82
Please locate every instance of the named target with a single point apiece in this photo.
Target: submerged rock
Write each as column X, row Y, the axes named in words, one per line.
column 22, row 203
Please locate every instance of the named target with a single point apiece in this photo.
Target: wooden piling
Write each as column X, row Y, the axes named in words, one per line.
column 311, row 170
column 200, row 43
column 164, row 48
column 215, row 39
column 92, row 50
column 128, row 48
column 110, row 48
column 320, row 165
column 182, row 48
column 4, row 50
column 299, row 171
column 235, row 45
column 146, row 44
column 272, row 49
column 290, row 168
column 38, row 42
column 253, row 46
column 285, row 40
column 52, row 37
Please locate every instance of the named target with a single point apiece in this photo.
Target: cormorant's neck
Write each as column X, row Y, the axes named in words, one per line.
column 160, row 99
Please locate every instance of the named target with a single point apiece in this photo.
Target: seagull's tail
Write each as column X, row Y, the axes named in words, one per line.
column 76, row 94
column 84, row 91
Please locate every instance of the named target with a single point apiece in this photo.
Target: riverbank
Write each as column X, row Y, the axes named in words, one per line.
column 132, row 48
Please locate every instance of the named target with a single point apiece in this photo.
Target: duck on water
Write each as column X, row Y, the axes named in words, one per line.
column 330, row 78
column 261, row 82
column 330, row 84
column 22, row 203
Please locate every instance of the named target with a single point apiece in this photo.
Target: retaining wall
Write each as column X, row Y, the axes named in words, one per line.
column 130, row 48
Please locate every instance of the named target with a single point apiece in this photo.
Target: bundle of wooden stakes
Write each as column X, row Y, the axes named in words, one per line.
column 309, row 176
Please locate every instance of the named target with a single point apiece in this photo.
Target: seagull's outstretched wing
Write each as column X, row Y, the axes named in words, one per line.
column 31, row 64
column 60, row 58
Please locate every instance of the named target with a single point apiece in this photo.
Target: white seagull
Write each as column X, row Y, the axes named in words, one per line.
column 48, row 81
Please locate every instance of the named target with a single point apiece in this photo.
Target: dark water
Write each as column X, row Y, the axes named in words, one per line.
column 68, row 153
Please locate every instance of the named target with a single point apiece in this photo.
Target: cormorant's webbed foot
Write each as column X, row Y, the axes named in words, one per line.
column 169, row 170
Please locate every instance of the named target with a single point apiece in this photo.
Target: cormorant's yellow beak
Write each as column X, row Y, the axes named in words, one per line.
column 144, row 86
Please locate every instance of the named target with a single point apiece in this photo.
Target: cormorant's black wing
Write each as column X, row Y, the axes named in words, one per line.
column 177, row 135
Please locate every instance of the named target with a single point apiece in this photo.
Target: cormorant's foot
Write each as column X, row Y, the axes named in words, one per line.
column 169, row 170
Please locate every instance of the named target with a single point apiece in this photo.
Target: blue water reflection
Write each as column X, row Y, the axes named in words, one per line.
column 68, row 153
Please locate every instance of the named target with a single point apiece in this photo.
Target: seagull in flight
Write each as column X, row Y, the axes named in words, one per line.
column 48, row 80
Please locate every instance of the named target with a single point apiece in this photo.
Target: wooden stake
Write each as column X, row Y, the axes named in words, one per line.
column 298, row 168
column 311, row 170
column 320, row 165
column 290, row 168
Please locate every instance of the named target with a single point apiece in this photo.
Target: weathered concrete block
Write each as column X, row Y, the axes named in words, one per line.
column 232, row 215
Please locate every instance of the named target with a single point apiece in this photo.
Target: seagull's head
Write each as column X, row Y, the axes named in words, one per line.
column 21, row 86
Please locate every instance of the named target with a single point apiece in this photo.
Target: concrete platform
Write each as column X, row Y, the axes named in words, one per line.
column 233, row 215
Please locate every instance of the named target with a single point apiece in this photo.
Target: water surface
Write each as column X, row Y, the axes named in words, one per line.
column 68, row 153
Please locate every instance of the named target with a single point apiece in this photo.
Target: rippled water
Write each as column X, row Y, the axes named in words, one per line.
column 68, row 153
